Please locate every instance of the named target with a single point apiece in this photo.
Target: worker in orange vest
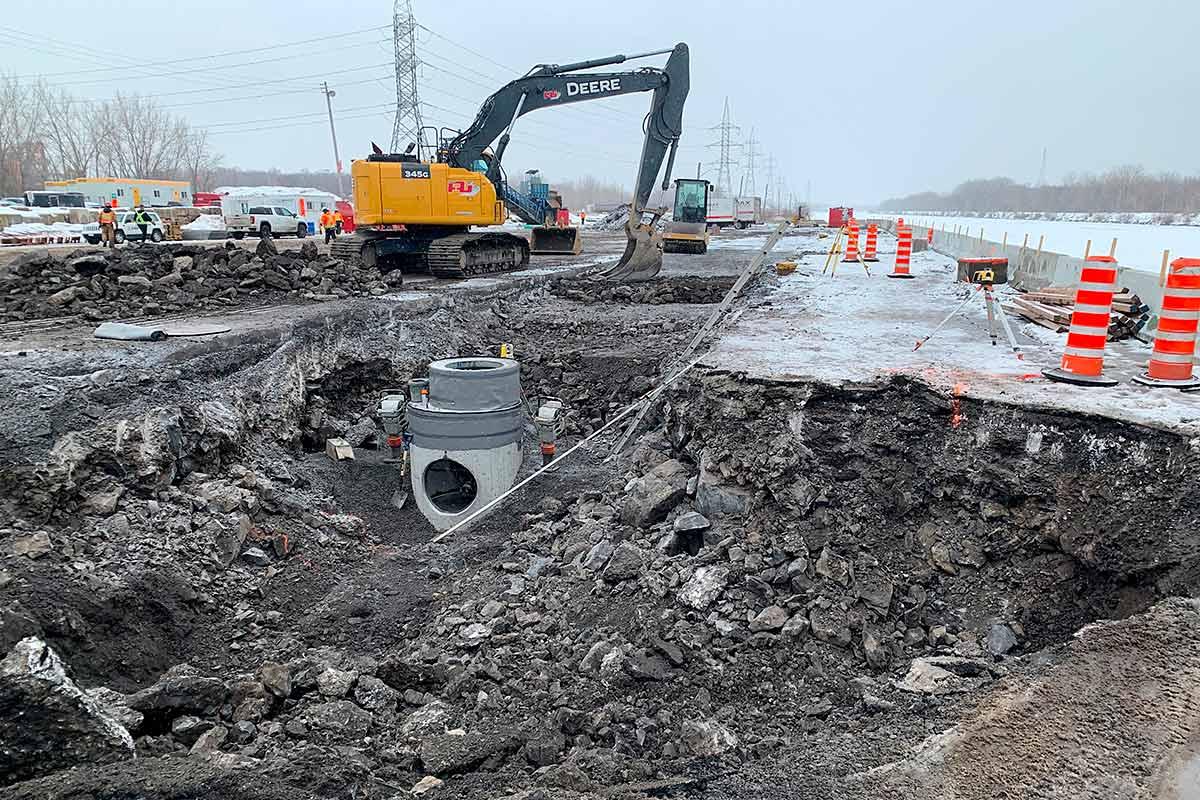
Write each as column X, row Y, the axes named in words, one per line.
column 582, row 218
column 337, row 221
column 108, row 227
column 328, row 225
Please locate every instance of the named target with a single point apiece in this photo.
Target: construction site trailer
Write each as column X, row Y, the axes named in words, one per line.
column 127, row 192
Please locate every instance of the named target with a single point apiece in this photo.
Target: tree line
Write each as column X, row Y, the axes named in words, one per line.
column 1122, row 189
column 48, row 134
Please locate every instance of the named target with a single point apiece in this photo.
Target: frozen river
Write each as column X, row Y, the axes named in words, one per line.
column 1138, row 246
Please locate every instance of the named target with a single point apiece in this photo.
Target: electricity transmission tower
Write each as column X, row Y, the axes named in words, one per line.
column 752, row 154
column 725, row 159
column 408, row 105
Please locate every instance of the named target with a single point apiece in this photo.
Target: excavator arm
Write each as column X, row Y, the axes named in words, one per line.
column 551, row 85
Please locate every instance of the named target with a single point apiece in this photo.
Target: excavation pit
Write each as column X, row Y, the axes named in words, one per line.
column 786, row 584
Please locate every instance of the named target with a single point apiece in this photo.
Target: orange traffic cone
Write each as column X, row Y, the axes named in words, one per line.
column 852, row 241
column 1083, row 358
column 1175, row 340
column 903, row 252
column 869, row 254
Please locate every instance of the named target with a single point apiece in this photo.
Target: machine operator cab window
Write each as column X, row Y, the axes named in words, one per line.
column 691, row 200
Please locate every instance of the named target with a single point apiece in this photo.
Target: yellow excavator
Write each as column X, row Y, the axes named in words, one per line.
column 414, row 213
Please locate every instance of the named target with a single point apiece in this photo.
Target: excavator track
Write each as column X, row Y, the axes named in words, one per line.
column 467, row 255
column 350, row 249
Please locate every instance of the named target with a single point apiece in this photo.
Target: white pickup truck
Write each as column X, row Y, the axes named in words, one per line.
column 272, row 221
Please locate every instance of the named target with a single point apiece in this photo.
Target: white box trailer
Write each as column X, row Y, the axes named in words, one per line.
column 720, row 211
column 127, row 192
column 740, row 212
column 749, row 211
column 305, row 202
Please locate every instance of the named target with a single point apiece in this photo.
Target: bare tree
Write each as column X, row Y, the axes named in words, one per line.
column 200, row 163
column 74, row 133
column 22, row 153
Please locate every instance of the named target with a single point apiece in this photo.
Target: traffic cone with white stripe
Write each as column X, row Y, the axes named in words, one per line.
column 903, row 252
column 1175, row 340
column 869, row 254
column 852, row 241
column 1083, row 358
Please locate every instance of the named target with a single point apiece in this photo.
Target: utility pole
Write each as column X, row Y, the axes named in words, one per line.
column 770, row 179
column 725, row 144
column 408, row 124
column 1042, row 172
column 329, row 95
column 751, row 156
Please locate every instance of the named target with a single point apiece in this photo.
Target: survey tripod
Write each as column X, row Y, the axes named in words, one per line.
column 984, row 281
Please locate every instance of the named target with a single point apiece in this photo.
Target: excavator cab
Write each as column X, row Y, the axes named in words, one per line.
column 687, row 232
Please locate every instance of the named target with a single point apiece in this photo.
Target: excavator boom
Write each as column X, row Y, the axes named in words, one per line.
column 549, row 85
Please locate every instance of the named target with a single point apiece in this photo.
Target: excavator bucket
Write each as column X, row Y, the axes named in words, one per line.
column 549, row 241
column 643, row 256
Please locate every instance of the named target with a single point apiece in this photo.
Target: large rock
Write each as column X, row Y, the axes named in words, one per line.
column 181, row 690
column 277, row 678
column 715, row 498
column 625, row 564
column 830, row 625
column 379, row 698
column 771, row 618
column 705, row 586
column 266, row 248
column 450, row 753
column 333, row 682
column 340, row 717
column 653, row 495
column 309, row 251
column 707, row 738
column 47, row 723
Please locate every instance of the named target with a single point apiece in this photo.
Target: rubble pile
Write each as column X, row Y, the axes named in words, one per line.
column 142, row 281
column 685, row 289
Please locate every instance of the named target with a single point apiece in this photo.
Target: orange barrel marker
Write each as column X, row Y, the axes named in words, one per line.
column 1175, row 340
column 1083, row 358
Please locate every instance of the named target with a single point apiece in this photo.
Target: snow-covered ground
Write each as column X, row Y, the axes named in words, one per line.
column 42, row 229
column 206, row 222
column 1138, row 246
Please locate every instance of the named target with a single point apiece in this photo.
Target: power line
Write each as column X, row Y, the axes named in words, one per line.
column 290, row 117
column 241, row 97
column 379, row 114
column 223, row 54
column 256, row 63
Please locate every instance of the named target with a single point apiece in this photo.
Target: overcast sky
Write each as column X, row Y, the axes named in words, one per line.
column 864, row 100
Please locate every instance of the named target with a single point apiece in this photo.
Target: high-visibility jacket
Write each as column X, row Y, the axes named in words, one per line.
column 327, row 220
column 337, row 216
column 108, row 218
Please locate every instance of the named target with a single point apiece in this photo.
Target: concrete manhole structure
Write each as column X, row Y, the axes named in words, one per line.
column 466, row 423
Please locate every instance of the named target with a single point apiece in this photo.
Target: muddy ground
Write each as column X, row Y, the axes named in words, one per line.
column 781, row 589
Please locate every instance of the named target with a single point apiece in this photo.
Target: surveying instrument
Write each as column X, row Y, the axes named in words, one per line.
column 983, row 274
